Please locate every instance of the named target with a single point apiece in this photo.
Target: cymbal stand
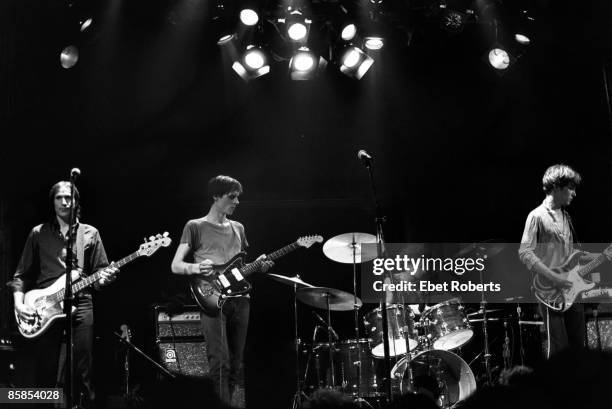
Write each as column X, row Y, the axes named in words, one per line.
column 356, row 314
column 483, row 307
column 520, row 327
column 297, row 397
column 329, row 343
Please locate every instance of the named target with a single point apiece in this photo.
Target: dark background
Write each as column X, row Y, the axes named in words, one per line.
column 150, row 113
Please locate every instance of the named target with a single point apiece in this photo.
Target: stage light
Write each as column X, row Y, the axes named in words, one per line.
column 305, row 65
column 499, row 58
column 348, row 32
column 297, row 26
column 69, row 56
column 374, row 43
column 225, row 39
column 85, row 24
column 249, row 17
column 252, row 64
column 522, row 39
column 355, row 63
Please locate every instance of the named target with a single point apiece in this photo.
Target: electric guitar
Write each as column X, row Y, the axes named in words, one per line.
column 229, row 279
column 572, row 270
column 47, row 303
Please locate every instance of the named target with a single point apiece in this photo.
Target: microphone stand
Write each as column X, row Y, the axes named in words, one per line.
column 380, row 246
column 69, row 296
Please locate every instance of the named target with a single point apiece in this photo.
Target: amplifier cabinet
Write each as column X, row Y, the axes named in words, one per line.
column 184, row 357
column 603, row 337
column 182, row 325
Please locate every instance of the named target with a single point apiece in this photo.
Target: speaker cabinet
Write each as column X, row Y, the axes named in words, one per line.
column 180, row 324
column 600, row 335
column 184, row 357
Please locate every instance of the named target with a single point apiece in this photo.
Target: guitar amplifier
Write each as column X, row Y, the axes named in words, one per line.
column 183, row 325
column 184, row 357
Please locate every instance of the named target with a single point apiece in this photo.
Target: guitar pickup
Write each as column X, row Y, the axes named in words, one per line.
column 224, row 281
column 237, row 275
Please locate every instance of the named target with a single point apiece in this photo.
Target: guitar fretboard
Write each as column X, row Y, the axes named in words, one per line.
column 91, row 279
column 592, row 265
column 256, row 265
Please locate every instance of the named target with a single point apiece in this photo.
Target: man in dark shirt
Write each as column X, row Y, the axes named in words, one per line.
column 211, row 240
column 42, row 263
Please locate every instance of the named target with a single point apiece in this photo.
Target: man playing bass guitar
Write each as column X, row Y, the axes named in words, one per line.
column 214, row 240
column 42, row 263
column 546, row 246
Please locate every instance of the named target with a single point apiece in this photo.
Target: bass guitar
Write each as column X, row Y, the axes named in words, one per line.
column 561, row 299
column 229, row 279
column 47, row 303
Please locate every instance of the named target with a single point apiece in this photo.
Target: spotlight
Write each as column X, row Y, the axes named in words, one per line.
column 225, row 39
column 355, row 63
column 84, row 24
column 69, row 56
column 348, row 32
column 249, row 17
column 374, row 43
column 252, row 64
column 297, row 26
column 305, row 65
column 499, row 58
column 522, row 39
column 524, row 28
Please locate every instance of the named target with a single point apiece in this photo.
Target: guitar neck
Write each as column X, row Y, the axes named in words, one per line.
column 91, row 279
column 592, row 265
column 256, row 265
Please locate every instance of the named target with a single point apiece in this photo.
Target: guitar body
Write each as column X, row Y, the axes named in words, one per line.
column 47, row 310
column 226, row 281
column 562, row 299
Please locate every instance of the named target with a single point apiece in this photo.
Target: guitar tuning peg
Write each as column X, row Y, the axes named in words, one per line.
column 152, row 238
column 166, row 234
column 158, row 236
column 145, row 239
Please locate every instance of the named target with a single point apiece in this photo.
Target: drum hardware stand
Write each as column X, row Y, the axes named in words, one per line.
column 408, row 358
column 481, row 251
column 297, row 397
column 380, row 245
column 506, row 354
column 520, row 326
column 359, row 400
column 329, row 343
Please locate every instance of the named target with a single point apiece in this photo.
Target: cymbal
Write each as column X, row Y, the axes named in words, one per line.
column 317, row 297
column 289, row 280
column 340, row 248
column 479, row 312
column 486, row 247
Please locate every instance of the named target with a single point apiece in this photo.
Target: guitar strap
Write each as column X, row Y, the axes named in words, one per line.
column 571, row 225
column 80, row 247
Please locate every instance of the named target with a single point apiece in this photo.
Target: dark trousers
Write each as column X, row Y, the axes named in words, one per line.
column 42, row 359
column 564, row 329
column 226, row 336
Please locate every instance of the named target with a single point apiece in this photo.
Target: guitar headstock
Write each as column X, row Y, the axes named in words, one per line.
column 307, row 241
column 155, row 242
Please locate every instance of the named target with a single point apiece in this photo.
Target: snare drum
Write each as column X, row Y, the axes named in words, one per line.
column 447, row 325
column 398, row 317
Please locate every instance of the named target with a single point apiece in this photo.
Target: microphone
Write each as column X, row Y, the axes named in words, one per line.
column 364, row 157
column 75, row 172
column 333, row 333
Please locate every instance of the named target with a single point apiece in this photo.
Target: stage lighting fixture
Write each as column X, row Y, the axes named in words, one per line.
column 305, row 65
column 252, row 64
column 524, row 29
column 297, row 26
column 69, row 56
column 355, row 63
column 499, row 58
column 348, row 32
column 85, row 23
column 373, row 43
column 249, row 17
column 522, row 39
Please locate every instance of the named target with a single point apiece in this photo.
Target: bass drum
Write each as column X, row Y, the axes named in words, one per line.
column 441, row 374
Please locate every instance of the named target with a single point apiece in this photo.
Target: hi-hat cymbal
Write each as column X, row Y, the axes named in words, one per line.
column 317, row 297
column 487, row 248
column 289, row 280
column 480, row 312
column 341, row 248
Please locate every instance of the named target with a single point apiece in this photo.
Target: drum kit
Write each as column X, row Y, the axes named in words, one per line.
column 420, row 348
